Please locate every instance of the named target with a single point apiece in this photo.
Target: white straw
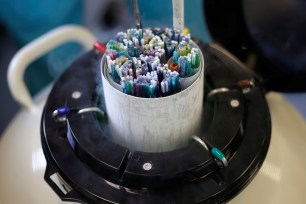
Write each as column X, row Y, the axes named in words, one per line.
column 178, row 14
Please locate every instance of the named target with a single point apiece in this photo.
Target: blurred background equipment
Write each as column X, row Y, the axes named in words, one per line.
column 268, row 35
column 24, row 21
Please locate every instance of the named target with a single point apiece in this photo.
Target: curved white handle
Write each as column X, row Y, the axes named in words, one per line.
column 37, row 48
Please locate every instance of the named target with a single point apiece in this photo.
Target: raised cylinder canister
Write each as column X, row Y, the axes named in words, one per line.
column 154, row 124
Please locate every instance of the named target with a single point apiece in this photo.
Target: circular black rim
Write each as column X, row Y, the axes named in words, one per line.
column 111, row 173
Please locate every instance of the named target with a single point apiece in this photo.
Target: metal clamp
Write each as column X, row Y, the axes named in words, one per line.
column 218, row 90
column 217, row 154
column 201, row 142
column 60, row 114
column 244, row 85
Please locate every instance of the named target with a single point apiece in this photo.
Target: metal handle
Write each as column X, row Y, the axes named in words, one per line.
column 37, row 48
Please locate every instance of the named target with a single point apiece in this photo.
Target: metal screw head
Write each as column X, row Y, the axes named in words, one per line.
column 147, row 166
column 234, row 103
column 76, row 95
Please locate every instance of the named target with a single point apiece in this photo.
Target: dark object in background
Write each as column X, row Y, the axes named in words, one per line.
column 272, row 29
column 110, row 18
column 8, row 106
column 226, row 25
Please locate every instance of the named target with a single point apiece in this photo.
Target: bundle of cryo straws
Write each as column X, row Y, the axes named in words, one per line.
column 149, row 63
